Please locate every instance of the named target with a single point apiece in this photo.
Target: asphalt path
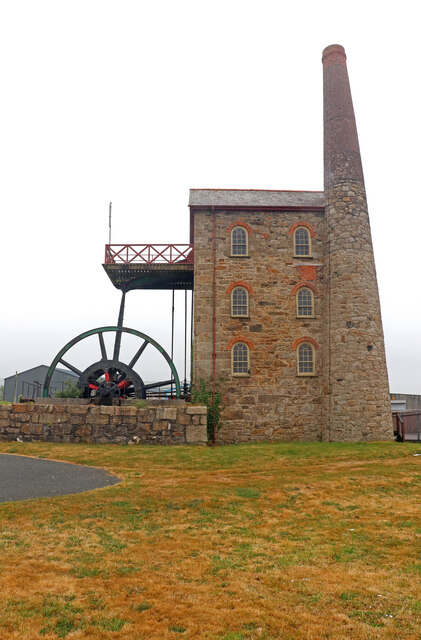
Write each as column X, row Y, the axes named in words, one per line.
column 23, row 478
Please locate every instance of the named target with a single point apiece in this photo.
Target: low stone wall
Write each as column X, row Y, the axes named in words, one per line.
column 169, row 423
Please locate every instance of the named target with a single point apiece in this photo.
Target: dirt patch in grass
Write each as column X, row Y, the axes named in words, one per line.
column 292, row 541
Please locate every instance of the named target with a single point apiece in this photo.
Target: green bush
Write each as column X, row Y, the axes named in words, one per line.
column 71, row 390
column 203, row 395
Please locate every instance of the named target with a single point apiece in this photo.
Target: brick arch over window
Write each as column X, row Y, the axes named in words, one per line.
column 247, row 341
column 239, row 223
column 297, row 342
column 302, row 224
column 302, row 284
column 240, row 283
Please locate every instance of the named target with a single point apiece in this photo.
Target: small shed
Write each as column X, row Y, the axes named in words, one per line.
column 30, row 383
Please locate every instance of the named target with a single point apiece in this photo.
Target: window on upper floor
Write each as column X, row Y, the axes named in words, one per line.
column 239, row 302
column 302, row 242
column 305, row 359
column 305, row 303
column 240, row 359
column 239, row 242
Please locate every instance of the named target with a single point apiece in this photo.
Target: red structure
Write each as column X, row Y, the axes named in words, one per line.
column 150, row 266
column 148, row 253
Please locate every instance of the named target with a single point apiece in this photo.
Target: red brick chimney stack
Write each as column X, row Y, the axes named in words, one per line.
column 357, row 403
column 342, row 151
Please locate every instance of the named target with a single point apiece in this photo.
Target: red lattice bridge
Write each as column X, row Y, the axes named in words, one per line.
column 149, row 253
column 150, row 266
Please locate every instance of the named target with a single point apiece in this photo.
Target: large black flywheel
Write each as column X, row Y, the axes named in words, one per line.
column 111, row 378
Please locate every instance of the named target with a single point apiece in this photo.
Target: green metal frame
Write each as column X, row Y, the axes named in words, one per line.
column 92, row 332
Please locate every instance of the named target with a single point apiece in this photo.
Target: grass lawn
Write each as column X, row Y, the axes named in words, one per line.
column 283, row 541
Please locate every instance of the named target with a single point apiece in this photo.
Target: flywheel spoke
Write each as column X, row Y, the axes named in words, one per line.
column 138, row 354
column 102, row 346
column 70, row 366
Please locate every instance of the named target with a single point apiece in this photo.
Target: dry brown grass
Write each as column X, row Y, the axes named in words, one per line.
column 286, row 541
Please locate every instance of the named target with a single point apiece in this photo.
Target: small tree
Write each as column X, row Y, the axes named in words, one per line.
column 203, row 395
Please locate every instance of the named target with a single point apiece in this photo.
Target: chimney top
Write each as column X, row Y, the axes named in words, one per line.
column 335, row 53
column 341, row 148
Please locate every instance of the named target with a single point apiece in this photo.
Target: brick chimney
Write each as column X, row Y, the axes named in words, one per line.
column 357, row 403
column 342, row 159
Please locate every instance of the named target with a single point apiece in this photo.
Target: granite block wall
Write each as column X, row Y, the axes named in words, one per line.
column 272, row 403
column 157, row 424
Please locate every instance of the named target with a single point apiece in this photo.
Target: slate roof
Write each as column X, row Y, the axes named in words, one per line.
column 255, row 198
column 42, row 369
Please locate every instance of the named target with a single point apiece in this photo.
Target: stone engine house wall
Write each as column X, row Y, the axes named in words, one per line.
column 273, row 402
column 347, row 397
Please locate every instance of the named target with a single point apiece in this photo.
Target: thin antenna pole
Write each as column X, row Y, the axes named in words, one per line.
column 185, row 341
column 109, row 222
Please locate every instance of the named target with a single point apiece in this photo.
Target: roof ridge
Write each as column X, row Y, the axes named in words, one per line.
column 265, row 190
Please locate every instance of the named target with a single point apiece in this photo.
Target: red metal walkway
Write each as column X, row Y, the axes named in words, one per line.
column 150, row 266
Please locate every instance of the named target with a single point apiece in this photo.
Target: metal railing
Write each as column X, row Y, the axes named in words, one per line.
column 149, row 253
column 407, row 425
column 35, row 389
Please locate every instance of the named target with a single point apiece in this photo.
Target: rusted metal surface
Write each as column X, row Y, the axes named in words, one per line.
column 411, row 425
column 149, row 253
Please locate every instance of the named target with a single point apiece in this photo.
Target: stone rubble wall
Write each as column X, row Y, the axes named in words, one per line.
column 170, row 424
column 347, row 398
column 357, row 388
column 273, row 403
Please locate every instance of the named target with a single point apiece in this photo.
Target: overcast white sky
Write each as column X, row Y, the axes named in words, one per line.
column 136, row 102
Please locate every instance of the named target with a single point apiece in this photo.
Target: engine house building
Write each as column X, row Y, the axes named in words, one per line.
column 287, row 321
column 286, row 305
